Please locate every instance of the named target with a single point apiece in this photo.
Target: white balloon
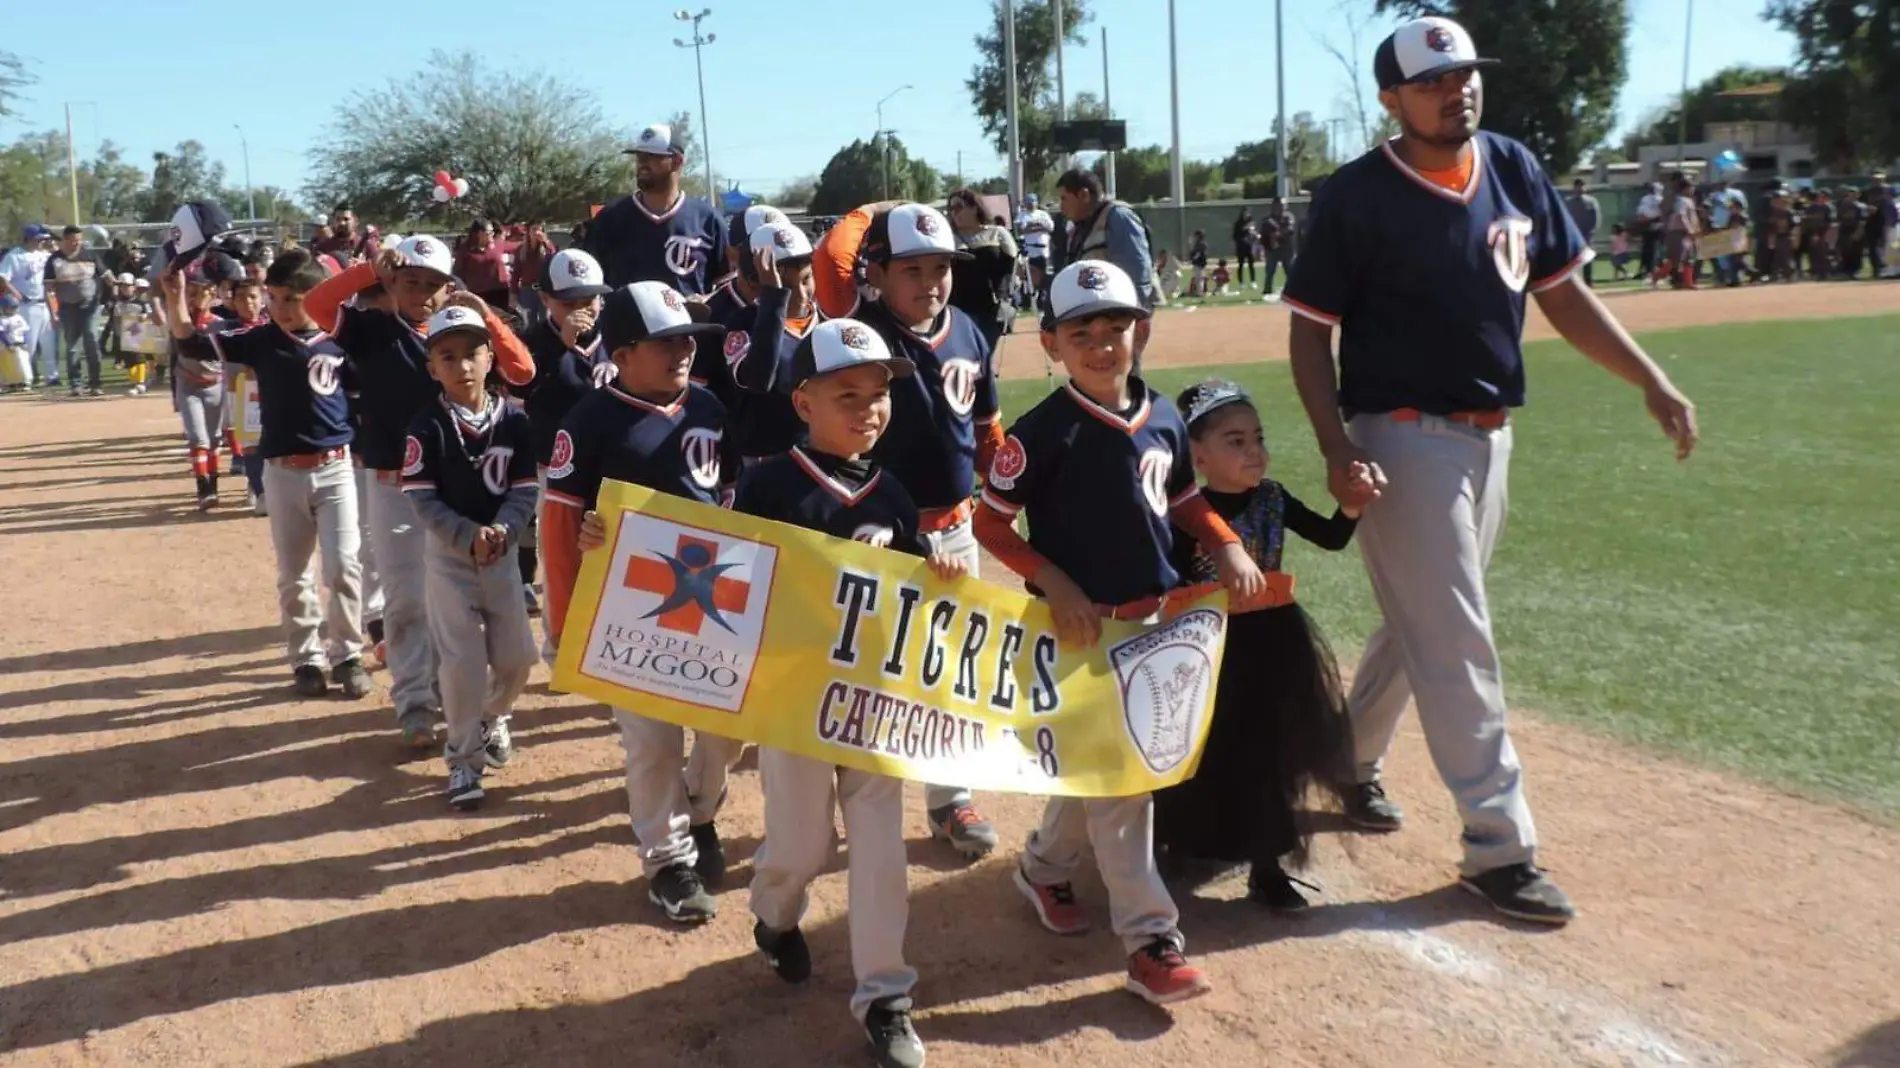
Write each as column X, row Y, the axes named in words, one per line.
column 461, row 187
column 440, row 194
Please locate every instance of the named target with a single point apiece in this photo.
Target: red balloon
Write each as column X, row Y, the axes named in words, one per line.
column 442, row 179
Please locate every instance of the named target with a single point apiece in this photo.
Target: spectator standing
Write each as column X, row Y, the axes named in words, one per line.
column 344, row 240
column 79, row 283
column 1820, row 226
column 1103, row 228
column 1853, row 232
column 482, row 264
column 23, row 277
column 980, row 285
column 1037, row 230
column 535, row 247
column 1197, row 265
column 1280, row 233
column 1246, row 239
column 1728, row 209
column 1649, row 225
column 1783, row 225
column 1679, row 228
column 1585, row 212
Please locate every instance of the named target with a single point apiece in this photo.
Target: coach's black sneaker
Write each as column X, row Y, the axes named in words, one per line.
column 1523, row 892
column 711, row 864
column 309, row 681
column 465, row 789
column 1368, row 807
column 894, row 1042
column 1270, row 885
column 351, row 676
column 498, row 742
column 786, row 950
column 677, row 889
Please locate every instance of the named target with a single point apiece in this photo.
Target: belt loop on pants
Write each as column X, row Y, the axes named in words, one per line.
column 1493, row 419
column 310, row 461
column 938, row 520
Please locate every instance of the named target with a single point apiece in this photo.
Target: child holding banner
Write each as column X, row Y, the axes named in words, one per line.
column 245, row 306
column 1279, row 726
column 652, row 428
column 1099, row 469
column 842, row 372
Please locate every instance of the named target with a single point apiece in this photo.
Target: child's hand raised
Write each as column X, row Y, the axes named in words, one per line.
column 593, row 532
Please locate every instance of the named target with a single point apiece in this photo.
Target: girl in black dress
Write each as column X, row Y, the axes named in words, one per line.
column 1280, row 726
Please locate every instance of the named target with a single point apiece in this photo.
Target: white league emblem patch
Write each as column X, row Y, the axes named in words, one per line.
column 1167, row 685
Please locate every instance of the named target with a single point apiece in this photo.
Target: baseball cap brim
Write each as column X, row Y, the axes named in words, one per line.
column 1101, row 307
column 459, row 328
column 426, row 270
column 888, row 257
column 576, row 292
column 687, row 330
column 1441, row 71
column 898, row 366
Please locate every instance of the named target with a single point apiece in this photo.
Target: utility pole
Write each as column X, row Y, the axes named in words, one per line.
column 1682, row 102
column 1009, row 101
column 1062, row 96
column 959, row 168
column 250, row 191
column 705, row 126
column 883, row 138
column 72, row 168
column 1176, row 182
column 1279, row 76
column 1108, row 166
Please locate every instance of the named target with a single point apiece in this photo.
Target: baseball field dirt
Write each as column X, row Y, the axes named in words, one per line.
column 197, row 869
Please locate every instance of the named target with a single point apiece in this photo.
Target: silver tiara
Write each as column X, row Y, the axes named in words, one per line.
column 1208, row 396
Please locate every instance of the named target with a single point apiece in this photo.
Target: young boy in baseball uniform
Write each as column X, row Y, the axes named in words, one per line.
column 780, row 271
column 652, row 427
column 1099, row 470
column 944, row 425
column 198, row 391
column 843, row 373
column 389, row 360
column 301, row 382
column 468, row 470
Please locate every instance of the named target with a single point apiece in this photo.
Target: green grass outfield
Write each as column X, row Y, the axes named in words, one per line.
column 1742, row 609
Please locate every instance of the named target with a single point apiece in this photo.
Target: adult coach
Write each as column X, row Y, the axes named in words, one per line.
column 1419, row 254
column 23, row 277
column 657, row 233
column 79, row 283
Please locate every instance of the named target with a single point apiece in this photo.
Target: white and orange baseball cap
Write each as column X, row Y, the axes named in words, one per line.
column 1424, row 48
column 571, row 274
column 787, row 243
column 838, row 344
column 427, row 253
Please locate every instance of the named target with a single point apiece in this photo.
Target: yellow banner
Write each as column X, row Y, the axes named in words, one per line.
column 248, row 426
column 862, row 657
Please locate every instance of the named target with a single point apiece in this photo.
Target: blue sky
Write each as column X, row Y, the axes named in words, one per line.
column 775, row 112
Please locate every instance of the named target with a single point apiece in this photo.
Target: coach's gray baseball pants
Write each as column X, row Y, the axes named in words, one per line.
column 478, row 619
column 315, row 510
column 664, row 803
column 799, row 843
column 399, row 540
column 958, row 542
column 1427, row 542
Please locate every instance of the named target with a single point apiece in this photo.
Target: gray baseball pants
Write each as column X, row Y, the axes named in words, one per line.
column 399, row 541
column 1426, row 543
column 478, row 620
column 664, row 803
column 958, row 542
column 311, row 510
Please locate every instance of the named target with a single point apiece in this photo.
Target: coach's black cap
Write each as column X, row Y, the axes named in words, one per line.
column 649, row 311
column 1424, row 48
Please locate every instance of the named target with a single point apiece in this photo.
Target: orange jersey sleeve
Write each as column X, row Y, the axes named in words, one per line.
column 996, row 532
column 834, row 264
column 512, row 358
column 1199, row 518
column 561, row 555
column 322, row 303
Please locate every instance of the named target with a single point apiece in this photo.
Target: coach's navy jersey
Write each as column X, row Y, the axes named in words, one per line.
column 470, row 469
column 930, row 444
column 1097, row 487
column 1427, row 285
column 685, row 247
column 763, row 366
column 675, row 448
column 390, row 360
column 303, row 384
column 562, row 376
column 851, row 499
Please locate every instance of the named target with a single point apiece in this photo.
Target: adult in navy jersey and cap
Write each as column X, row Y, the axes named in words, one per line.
column 657, row 233
column 1419, row 254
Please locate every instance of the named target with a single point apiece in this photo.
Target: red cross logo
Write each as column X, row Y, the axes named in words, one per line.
column 690, row 585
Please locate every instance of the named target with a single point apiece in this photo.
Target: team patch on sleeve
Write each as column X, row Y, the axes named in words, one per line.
column 1008, row 466
column 561, row 464
column 411, row 457
column 737, row 345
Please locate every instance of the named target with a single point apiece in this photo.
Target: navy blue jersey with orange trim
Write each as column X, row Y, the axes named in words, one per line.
column 471, row 471
column 685, row 247
column 930, row 444
column 390, row 361
column 762, row 365
column 303, row 384
column 675, row 448
column 845, row 499
column 562, row 376
column 1427, row 284
column 1097, row 486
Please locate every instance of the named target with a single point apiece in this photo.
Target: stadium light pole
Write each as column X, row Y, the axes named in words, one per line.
column 1176, row 183
column 705, row 126
column 1279, row 76
column 250, row 191
column 883, row 136
column 1108, row 166
column 1682, row 102
column 1062, row 96
column 1009, row 105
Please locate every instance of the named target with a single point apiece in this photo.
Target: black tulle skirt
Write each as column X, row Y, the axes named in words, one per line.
column 1279, row 740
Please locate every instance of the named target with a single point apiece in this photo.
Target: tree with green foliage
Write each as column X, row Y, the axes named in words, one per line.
column 1845, row 89
column 1705, row 104
column 13, row 78
column 530, row 145
column 856, row 175
column 1035, row 81
column 1564, row 63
